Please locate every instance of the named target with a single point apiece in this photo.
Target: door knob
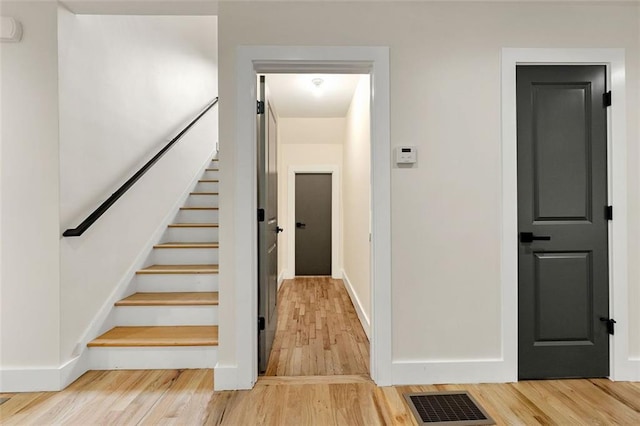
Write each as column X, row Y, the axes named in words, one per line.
column 301, row 225
column 279, row 230
column 528, row 237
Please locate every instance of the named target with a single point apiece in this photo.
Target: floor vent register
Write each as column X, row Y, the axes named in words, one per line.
column 447, row 408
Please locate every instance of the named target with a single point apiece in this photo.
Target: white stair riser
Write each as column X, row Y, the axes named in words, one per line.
column 167, row 283
column 191, row 235
column 206, row 187
column 201, row 201
column 166, row 315
column 185, row 256
column 153, row 358
column 198, row 216
column 211, row 174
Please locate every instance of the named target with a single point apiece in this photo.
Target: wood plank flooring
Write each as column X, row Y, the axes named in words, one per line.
column 318, row 331
column 186, row 398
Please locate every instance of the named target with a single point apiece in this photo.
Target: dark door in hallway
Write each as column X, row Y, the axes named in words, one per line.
column 313, row 223
column 563, row 280
column 267, row 225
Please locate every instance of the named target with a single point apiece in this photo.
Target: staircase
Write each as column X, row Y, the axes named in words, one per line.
column 170, row 320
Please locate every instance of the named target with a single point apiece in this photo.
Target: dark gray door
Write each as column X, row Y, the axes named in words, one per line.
column 562, row 195
column 267, row 226
column 313, row 224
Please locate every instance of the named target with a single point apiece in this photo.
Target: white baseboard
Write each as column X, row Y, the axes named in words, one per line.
column 42, row 379
column 441, row 372
column 73, row 369
column 634, row 371
column 474, row 371
column 281, row 277
column 364, row 320
column 225, row 377
column 635, row 368
column 30, row 379
column 629, row 371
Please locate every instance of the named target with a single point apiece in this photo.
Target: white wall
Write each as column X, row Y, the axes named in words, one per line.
column 634, row 224
column 357, row 199
column 303, row 142
column 445, row 99
column 128, row 84
column 29, row 274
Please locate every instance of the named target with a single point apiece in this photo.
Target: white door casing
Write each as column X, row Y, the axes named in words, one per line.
column 622, row 366
column 304, row 59
column 334, row 171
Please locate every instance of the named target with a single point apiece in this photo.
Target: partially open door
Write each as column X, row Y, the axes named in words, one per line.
column 267, row 225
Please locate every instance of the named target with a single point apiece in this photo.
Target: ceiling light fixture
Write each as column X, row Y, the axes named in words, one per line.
column 317, row 89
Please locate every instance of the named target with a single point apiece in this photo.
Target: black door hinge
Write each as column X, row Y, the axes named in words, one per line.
column 260, row 107
column 608, row 213
column 261, row 323
column 260, row 215
column 610, row 324
column 606, row 99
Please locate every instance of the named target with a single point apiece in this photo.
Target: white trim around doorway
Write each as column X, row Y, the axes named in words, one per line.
column 243, row 373
column 623, row 367
column 334, row 171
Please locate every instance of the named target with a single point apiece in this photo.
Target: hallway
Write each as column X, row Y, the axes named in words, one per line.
column 318, row 331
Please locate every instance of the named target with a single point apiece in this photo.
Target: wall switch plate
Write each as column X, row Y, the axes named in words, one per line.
column 406, row 154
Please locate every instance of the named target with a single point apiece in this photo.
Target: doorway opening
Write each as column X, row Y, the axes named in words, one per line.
column 324, row 205
column 240, row 371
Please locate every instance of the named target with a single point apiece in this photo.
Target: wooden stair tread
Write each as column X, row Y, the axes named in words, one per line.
column 179, row 269
column 204, row 193
column 200, row 335
column 186, row 245
column 199, row 208
column 170, row 299
column 193, row 225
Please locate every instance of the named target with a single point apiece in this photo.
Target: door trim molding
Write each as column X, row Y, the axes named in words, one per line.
column 357, row 59
column 336, row 225
column 623, row 367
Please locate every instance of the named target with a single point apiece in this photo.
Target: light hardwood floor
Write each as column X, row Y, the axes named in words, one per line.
column 186, row 398
column 318, row 331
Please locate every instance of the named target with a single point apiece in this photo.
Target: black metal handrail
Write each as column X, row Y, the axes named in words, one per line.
column 79, row 230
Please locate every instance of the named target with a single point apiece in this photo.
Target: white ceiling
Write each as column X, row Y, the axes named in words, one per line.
column 293, row 95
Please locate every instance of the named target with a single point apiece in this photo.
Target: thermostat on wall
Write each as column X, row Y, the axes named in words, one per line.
column 406, row 154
